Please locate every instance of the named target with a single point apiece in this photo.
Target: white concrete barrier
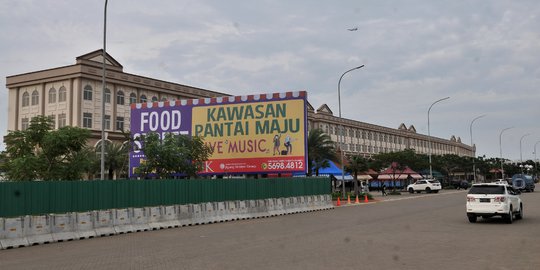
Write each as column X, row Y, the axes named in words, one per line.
column 103, row 223
column 38, row 230
column 62, row 227
column 169, row 216
column 139, row 220
column 154, row 217
column 122, row 221
column 29, row 230
column 227, row 211
column 13, row 233
column 185, row 215
column 84, row 224
column 210, row 212
column 197, row 214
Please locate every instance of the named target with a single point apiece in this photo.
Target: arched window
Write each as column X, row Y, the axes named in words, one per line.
column 154, row 99
column 52, row 95
column 62, row 94
column 35, row 97
column 25, row 99
column 132, row 98
column 143, row 98
column 163, row 99
column 87, row 95
column 120, row 98
column 107, row 95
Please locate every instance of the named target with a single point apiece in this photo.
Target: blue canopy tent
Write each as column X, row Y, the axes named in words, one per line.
column 333, row 170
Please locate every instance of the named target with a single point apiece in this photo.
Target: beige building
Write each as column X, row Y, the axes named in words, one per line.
column 370, row 139
column 72, row 95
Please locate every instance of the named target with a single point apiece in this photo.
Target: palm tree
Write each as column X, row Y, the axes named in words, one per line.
column 116, row 158
column 356, row 164
column 320, row 149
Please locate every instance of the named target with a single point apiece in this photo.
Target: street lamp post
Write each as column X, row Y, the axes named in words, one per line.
column 500, row 148
column 520, row 151
column 535, row 159
column 429, row 135
column 340, row 127
column 103, row 93
column 474, row 152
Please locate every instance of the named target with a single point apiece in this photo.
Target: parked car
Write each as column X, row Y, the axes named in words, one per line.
column 523, row 182
column 494, row 199
column 427, row 185
column 460, row 184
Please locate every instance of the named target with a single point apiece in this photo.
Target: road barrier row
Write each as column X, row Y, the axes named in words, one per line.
column 33, row 230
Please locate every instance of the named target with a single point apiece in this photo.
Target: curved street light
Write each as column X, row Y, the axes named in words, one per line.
column 520, row 151
column 429, row 135
column 500, row 148
column 535, row 159
column 340, row 134
column 103, row 94
column 474, row 152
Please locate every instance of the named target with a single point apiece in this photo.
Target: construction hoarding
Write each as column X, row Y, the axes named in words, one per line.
column 248, row 134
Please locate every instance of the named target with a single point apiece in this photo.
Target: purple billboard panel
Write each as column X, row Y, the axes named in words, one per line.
column 158, row 117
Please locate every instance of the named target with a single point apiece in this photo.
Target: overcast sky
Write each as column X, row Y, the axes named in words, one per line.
column 484, row 55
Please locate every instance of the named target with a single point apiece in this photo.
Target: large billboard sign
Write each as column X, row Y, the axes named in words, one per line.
column 248, row 134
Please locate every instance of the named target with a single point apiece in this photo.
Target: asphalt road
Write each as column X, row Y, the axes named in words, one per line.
column 415, row 231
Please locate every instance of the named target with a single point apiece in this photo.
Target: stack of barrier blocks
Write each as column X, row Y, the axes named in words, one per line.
column 33, row 230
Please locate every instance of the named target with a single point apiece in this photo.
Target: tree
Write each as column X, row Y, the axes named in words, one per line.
column 320, row 150
column 40, row 153
column 173, row 155
column 355, row 165
column 116, row 158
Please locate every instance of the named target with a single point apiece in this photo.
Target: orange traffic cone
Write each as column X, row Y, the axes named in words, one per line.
column 365, row 198
column 338, row 202
column 356, row 201
column 349, row 199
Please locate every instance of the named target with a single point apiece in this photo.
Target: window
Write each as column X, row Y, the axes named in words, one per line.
column 107, row 122
column 87, row 95
column 35, row 97
column 163, row 99
column 61, row 120
column 62, row 94
column 25, row 99
column 120, row 123
column 52, row 95
column 143, row 98
column 154, row 99
column 87, row 120
column 107, row 95
column 132, row 98
column 120, row 98
column 24, row 123
column 53, row 119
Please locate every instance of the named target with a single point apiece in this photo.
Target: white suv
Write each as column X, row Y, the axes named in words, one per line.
column 427, row 185
column 494, row 199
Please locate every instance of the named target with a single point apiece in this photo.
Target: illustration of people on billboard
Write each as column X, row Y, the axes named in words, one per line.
column 288, row 144
column 277, row 142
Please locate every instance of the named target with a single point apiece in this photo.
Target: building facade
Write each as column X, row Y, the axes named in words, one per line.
column 72, row 96
column 369, row 139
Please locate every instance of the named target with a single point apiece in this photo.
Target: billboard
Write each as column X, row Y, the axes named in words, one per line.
column 248, row 134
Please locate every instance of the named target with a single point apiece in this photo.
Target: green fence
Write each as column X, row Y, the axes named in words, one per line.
column 34, row 198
